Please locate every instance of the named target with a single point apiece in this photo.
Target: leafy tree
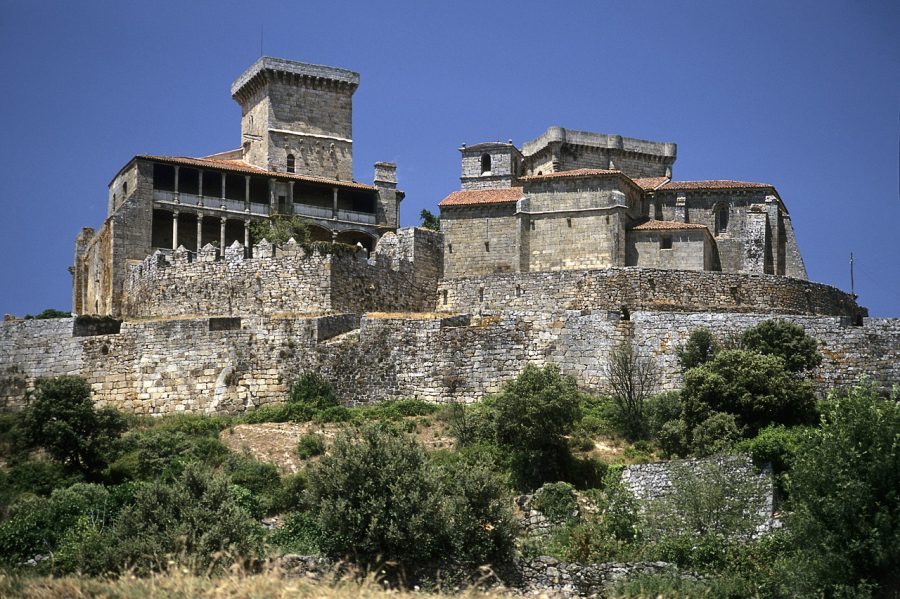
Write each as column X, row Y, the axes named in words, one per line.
column 377, row 496
column 844, row 495
column 632, row 378
column 430, row 221
column 48, row 314
column 536, row 410
column 61, row 419
column 785, row 340
column 279, row 228
column 755, row 388
column 700, row 348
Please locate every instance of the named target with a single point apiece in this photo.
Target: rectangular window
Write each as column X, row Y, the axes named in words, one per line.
column 665, row 242
column 532, row 223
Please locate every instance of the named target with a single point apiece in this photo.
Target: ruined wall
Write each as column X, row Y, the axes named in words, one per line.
column 230, row 365
column 643, row 289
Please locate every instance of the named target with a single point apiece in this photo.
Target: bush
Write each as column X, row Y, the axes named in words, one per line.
column 314, row 391
column 660, row 409
column 310, row 446
column 700, row 348
column 672, row 438
column 844, row 494
column 376, row 496
column 278, row 229
column 716, row 434
column 785, row 340
column 48, row 314
column 197, row 518
column 557, row 502
column 34, row 476
column 36, row 525
column 755, row 388
column 62, row 420
column 259, row 478
column 164, row 453
column 300, row 534
column 775, row 445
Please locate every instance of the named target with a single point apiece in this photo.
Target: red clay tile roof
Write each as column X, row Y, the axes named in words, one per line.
column 650, row 183
column 242, row 167
column 713, row 184
column 578, row 172
column 665, row 225
column 472, row 197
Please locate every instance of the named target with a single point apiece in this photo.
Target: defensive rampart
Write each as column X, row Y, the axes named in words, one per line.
column 401, row 275
column 227, row 365
column 644, row 289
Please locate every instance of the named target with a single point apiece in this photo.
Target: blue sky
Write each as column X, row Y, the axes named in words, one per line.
column 803, row 95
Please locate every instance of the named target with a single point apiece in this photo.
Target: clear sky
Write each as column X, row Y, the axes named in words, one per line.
column 803, row 95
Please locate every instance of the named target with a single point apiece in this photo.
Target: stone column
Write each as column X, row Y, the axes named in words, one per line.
column 247, row 238
column 222, row 236
column 290, row 198
column 200, row 190
column 223, row 188
column 272, row 207
column 175, row 228
column 177, row 168
column 334, row 205
column 199, row 232
column 247, row 193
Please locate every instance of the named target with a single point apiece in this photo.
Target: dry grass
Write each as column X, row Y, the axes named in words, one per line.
column 272, row 585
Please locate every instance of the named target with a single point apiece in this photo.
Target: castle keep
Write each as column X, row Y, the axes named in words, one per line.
column 552, row 252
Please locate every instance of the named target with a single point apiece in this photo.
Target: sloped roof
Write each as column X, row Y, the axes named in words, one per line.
column 713, row 184
column 578, row 172
column 471, row 197
column 240, row 166
column 650, row 183
column 666, row 225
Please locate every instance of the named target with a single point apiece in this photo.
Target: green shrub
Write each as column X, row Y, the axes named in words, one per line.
column 314, row 391
column 580, row 440
column 700, row 348
column 34, row 476
column 660, row 409
column 785, row 340
column 197, row 518
column 755, row 388
column 557, row 502
column 61, row 419
column 672, row 438
column 333, row 414
column 13, row 437
column 300, row 534
column 377, row 496
column 260, row 479
column 775, row 445
column 37, row 524
column 289, row 497
column 48, row 314
column 844, row 495
column 164, row 453
column 310, row 446
column 279, row 229
column 716, row 434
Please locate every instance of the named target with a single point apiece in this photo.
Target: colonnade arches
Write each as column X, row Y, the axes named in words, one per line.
column 354, row 237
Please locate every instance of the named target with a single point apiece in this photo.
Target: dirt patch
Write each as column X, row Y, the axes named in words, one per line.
column 276, row 442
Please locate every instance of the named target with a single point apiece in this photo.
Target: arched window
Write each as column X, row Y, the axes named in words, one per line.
column 721, row 218
column 485, row 164
column 125, row 188
column 290, row 163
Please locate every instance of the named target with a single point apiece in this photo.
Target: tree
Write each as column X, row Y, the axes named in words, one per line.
column 279, row 229
column 755, row 388
column 700, row 348
column 430, row 221
column 62, row 420
column 785, row 340
column 632, row 378
column 377, row 496
column 844, row 495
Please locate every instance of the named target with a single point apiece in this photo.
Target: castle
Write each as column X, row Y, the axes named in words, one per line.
column 555, row 252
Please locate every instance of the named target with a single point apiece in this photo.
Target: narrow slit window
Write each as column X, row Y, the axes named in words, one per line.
column 290, row 163
column 721, row 219
column 450, row 248
column 481, row 294
column 487, row 246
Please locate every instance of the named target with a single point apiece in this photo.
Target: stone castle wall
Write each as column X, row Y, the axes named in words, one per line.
column 401, row 275
column 227, row 365
column 644, row 289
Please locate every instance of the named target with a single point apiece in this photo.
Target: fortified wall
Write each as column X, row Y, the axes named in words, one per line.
column 645, row 289
column 228, row 365
column 401, row 275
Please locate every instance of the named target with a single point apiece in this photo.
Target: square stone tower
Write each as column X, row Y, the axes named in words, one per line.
column 490, row 165
column 297, row 117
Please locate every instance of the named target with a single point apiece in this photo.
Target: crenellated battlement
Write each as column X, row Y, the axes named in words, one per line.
column 400, row 275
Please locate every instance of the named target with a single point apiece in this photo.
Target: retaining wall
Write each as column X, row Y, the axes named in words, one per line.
column 202, row 364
